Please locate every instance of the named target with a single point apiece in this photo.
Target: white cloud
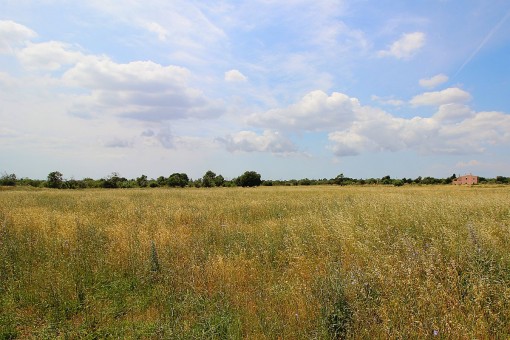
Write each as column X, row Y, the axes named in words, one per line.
column 453, row 113
column 50, row 56
column 235, row 76
column 377, row 131
column 405, row 47
column 13, row 35
column 99, row 86
column 249, row 141
column 314, row 112
column 434, row 81
column 156, row 28
column 353, row 128
column 101, row 73
column 448, row 96
column 348, row 143
column 139, row 90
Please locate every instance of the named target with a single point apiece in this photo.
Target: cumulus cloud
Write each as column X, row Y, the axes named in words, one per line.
column 405, row 47
column 13, row 35
column 453, row 113
column 448, row 96
column 353, row 128
column 316, row 111
column 348, row 143
column 141, row 90
column 49, row 56
column 377, row 131
column 249, row 141
column 434, row 81
column 235, row 76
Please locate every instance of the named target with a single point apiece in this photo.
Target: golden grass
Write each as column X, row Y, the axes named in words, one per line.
column 270, row 262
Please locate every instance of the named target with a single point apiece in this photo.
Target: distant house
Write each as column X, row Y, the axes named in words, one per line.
column 466, row 179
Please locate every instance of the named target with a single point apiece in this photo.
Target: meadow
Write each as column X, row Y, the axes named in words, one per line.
column 321, row 262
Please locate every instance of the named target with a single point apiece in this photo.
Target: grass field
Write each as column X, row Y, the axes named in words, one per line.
column 263, row 263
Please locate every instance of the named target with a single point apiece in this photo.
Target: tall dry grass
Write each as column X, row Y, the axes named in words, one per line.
column 264, row 263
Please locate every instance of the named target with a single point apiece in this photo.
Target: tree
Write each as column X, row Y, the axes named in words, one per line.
column 8, row 180
column 249, row 179
column 113, row 181
column 142, row 181
column 161, row 181
column 386, row 180
column 178, row 180
column 219, row 181
column 398, row 182
column 502, row 179
column 340, row 180
column 208, row 179
column 55, row 180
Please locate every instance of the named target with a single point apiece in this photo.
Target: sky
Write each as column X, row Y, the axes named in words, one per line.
column 290, row 89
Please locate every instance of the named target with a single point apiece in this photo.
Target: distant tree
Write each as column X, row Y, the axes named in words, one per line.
column 178, row 180
column 8, row 179
column 142, row 181
column 398, row 182
column 197, row 183
column 219, row 181
column 386, row 180
column 208, row 179
column 430, row 180
column 249, row 179
column 55, row 180
column 113, row 181
column 342, row 180
column 304, row 181
column 91, row 183
column 74, row 184
column 161, row 181
column 36, row 183
column 502, row 179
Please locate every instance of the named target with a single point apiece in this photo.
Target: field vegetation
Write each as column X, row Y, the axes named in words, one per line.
column 304, row 262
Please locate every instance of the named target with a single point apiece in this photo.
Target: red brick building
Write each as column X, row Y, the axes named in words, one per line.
column 466, row 179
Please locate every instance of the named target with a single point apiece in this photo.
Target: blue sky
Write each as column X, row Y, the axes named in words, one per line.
column 291, row 89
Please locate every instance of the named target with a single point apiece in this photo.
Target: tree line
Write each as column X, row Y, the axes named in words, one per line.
column 210, row 179
column 56, row 180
